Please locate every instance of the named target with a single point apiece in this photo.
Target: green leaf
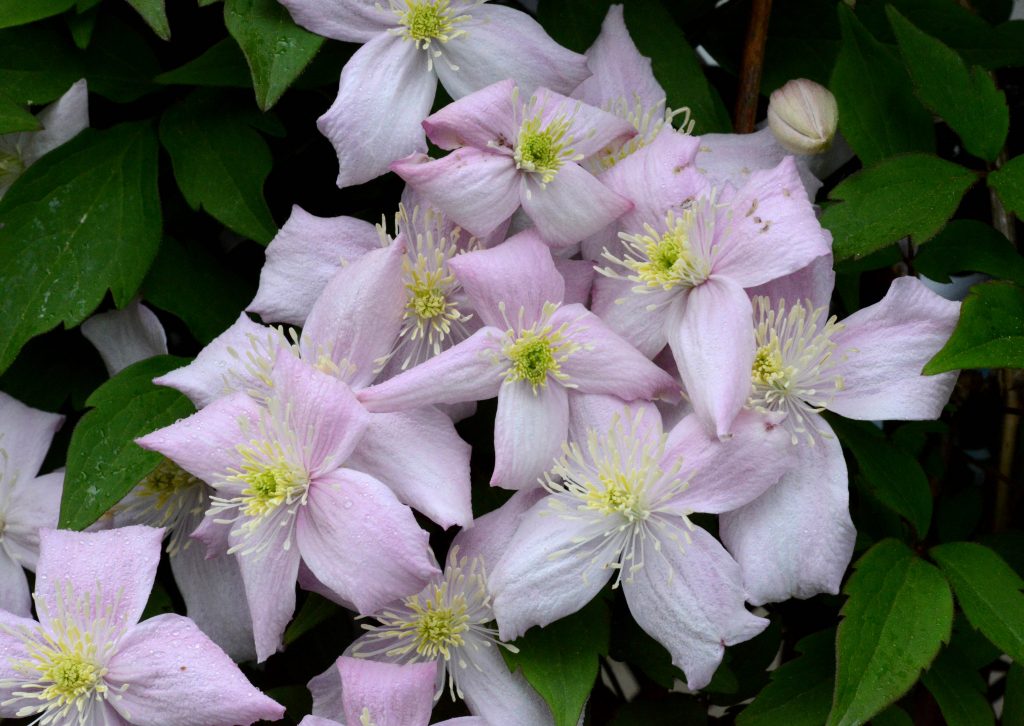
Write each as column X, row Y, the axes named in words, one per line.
column 990, row 333
column 967, row 100
column 275, row 47
column 989, row 592
column 222, row 65
column 911, row 195
column 220, row 162
column 966, row 245
column 119, row 63
column 561, row 660
column 894, row 476
column 899, row 613
column 187, row 280
column 892, row 716
column 1008, row 181
column 878, row 113
column 315, row 610
column 1013, row 705
column 37, row 64
column 20, row 12
column 959, row 690
column 104, row 462
column 800, row 692
column 155, row 15
column 84, row 218
column 14, row 117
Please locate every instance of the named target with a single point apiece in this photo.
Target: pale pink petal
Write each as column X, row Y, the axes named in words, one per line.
column 32, row 504
column 574, row 205
column 713, row 345
column 606, row 363
column 113, row 568
column 882, row 349
column 357, row 318
column 25, row 436
column 385, row 92
column 269, row 576
column 308, row 581
column 481, row 119
column 478, row 189
column 517, row 274
column 462, row 721
column 14, row 594
column 233, row 361
column 689, row 597
column 394, row 695
column 555, row 564
column 579, row 279
column 600, row 413
column 328, row 693
column 468, row 371
column 353, row 21
column 639, row 318
column 301, row 260
column 732, row 158
column 796, row 539
column 421, row 458
column 814, row 282
column 529, row 429
column 361, row 542
column 62, row 120
column 317, row 721
column 591, row 128
column 126, row 336
column 771, row 229
column 504, row 43
column 495, row 694
column 12, row 650
column 176, row 675
column 488, row 536
column 725, row 475
column 620, row 72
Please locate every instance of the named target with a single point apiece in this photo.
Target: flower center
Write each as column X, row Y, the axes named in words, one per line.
column 768, row 369
column 270, row 484
column 438, row 629
column 543, row 150
column 427, row 22
column 532, row 359
column 72, row 675
column 663, row 260
column 167, row 497
column 537, row 352
column 167, row 480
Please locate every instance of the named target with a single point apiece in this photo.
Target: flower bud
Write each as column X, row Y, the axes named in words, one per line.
column 803, row 116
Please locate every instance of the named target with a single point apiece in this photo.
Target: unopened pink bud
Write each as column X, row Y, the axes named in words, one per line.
column 803, row 116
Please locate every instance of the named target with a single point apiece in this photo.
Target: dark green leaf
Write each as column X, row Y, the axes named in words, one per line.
column 959, row 690
column 155, row 15
column 988, row 591
column 899, row 613
column 276, row 48
column 82, row 25
column 878, row 113
column 910, row 195
column 119, row 63
column 1009, row 184
column 800, row 692
column 990, row 333
column 315, row 610
column 561, row 660
column 966, row 245
column 84, row 218
column 221, row 65
column 803, row 42
column 37, row 64
column 892, row 716
column 574, row 23
column 1013, row 704
column 14, row 117
column 220, row 162
column 104, row 462
column 20, row 12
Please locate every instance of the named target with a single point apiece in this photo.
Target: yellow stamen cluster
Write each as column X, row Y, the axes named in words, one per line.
column 663, row 260
column 618, row 492
column 164, row 482
column 543, row 149
column 438, row 622
column 648, row 121
column 426, row 21
column 768, row 368
column 270, row 478
column 537, row 352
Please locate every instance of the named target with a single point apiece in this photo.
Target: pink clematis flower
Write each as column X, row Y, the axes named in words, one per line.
column 283, row 485
column 531, row 352
column 90, row 661
column 381, row 694
column 27, row 501
column 510, row 152
column 796, row 540
column 388, row 85
column 619, row 504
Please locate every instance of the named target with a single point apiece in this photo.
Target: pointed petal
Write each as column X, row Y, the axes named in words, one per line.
column 728, row 474
column 555, row 564
column 488, row 536
column 689, row 597
column 14, row 594
column 478, row 189
column 269, row 576
column 529, row 429
column 620, row 72
column 12, row 650
column 328, row 693
column 883, row 348
column 175, row 674
column 574, row 205
column 713, row 345
column 796, row 539
column 353, row 21
column 62, row 120
column 421, row 458
column 639, row 318
column 361, row 542
column 32, row 504
column 504, row 43
column 732, row 158
column 385, row 92
column 357, row 318
column 115, row 568
column 516, row 274
column 814, row 282
column 608, row 364
column 301, row 260
column 600, row 412
column 771, row 230
column 579, row 279
column 496, row 695
column 394, row 695
column 126, row 336
column 479, row 119
column 25, row 433
column 468, row 371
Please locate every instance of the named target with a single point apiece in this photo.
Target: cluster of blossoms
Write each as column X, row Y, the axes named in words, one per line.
column 650, row 309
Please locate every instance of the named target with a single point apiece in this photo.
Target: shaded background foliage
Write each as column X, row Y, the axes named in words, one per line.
column 204, row 135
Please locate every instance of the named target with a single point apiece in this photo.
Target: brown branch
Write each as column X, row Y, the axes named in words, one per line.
column 750, row 70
